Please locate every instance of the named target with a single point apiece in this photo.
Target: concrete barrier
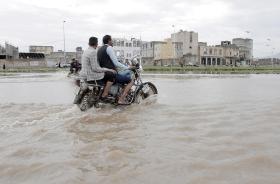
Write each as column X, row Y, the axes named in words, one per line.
column 23, row 63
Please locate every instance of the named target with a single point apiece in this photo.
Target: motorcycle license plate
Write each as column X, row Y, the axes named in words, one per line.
column 145, row 89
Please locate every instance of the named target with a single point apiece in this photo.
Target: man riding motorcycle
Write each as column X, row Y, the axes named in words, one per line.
column 107, row 59
column 91, row 70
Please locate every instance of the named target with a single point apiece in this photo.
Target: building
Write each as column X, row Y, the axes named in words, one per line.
column 79, row 53
column 224, row 54
column 189, row 44
column 230, row 53
column 245, row 49
column 127, row 49
column 46, row 50
column 210, row 55
column 163, row 53
column 168, row 53
column 9, row 52
column 148, row 52
column 2, row 52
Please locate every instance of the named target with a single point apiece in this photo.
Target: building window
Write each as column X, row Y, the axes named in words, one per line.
column 118, row 43
column 205, row 51
column 191, row 38
column 221, row 52
column 210, row 51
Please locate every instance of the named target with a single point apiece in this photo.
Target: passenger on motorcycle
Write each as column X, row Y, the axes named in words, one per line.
column 108, row 59
column 91, row 70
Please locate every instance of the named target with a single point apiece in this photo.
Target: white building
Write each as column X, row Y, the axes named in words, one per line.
column 190, row 45
column 9, row 51
column 126, row 49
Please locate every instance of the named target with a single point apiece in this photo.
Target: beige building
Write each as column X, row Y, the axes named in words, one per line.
column 211, row 55
column 47, row 50
column 162, row 53
column 168, row 53
column 231, row 54
column 224, row 54
column 159, row 55
column 150, row 51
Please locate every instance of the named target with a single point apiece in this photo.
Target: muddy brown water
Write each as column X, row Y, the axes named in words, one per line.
column 216, row 129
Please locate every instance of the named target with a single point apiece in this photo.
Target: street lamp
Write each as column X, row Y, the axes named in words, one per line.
column 272, row 62
column 64, row 41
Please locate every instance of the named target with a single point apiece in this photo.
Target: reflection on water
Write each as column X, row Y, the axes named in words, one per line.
column 201, row 129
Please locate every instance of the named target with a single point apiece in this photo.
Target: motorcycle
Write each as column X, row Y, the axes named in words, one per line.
column 89, row 95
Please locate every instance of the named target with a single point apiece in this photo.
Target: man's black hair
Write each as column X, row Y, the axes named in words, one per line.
column 93, row 41
column 106, row 39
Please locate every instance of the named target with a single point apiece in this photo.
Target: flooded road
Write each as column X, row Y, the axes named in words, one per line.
column 214, row 129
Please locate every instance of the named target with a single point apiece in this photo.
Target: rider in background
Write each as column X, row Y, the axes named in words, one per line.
column 75, row 66
column 91, row 70
column 108, row 59
column 72, row 66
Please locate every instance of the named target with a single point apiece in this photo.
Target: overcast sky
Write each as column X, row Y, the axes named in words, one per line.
column 39, row 22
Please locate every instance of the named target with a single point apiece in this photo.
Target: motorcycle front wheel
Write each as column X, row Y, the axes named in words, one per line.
column 149, row 89
column 86, row 102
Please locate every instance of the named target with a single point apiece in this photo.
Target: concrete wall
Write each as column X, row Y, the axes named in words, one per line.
column 23, row 63
column 59, row 57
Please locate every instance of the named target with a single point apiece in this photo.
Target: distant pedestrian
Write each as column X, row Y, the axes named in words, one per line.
column 4, row 66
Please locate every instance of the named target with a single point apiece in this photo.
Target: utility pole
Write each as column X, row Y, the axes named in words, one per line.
column 174, row 47
column 64, row 41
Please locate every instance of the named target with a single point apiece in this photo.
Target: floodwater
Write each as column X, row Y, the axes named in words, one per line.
column 214, row 129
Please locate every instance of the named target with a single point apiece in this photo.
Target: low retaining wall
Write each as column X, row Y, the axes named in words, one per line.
column 23, row 63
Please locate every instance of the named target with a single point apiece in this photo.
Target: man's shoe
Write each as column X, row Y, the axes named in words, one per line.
column 107, row 99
